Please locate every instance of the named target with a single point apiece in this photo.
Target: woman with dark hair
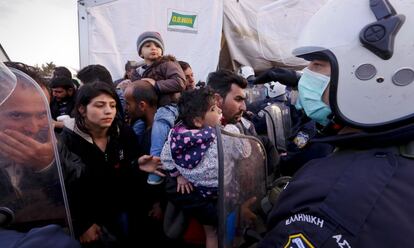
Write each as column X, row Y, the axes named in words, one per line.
column 93, row 73
column 109, row 151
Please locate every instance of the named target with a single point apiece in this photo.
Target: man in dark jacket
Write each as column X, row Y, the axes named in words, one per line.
column 63, row 97
column 364, row 189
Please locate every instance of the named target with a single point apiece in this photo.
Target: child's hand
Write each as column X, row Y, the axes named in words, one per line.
column 246, row 212
column 149, row 80
column 150, row 164
column 156, row 211
column 92, row 234
column 183, row 185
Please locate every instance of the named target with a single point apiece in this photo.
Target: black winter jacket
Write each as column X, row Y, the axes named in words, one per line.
column 107, row 186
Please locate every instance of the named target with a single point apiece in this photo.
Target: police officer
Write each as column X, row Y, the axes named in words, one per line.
column 362, row 195
column 308, row 114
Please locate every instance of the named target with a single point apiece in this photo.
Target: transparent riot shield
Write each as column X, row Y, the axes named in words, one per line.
column 278, row 122
column 242, row 184
column 32, row 192
column 256, row 93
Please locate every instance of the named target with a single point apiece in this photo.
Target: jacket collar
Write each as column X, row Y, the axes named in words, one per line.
column 71, row 125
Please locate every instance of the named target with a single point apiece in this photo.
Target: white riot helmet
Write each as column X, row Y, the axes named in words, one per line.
column 370, row 45
column 274, row 89
column 247, row 72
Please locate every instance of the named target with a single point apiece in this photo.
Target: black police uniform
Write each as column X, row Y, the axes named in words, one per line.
column 353, row 198
column 298, row 154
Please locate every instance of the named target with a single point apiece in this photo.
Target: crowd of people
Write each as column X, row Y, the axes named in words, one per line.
column 115, row 153
column 111, row 135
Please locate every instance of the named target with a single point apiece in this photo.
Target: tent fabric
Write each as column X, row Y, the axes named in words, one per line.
column 226, row 34
column 191, row 30
column 262, row 33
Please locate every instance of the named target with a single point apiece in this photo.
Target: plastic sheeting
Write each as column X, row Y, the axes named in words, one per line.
column 191, row 30
column 31, row 179
column 257, row 33
column 242, row 183
column 263, row 33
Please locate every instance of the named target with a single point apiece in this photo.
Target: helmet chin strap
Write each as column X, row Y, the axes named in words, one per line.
column 332, row 128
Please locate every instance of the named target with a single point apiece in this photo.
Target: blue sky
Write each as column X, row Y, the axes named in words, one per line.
column 40, row 31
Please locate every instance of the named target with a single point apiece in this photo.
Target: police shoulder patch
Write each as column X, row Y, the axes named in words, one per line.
column 298, row 241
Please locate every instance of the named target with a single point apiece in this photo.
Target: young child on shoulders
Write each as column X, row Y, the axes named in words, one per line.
column 190, row 155
column 168, row 79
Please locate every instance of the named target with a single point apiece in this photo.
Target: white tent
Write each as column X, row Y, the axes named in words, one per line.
column 206, row 34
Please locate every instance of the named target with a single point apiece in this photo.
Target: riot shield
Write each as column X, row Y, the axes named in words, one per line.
column 32, row 192
column 256, row 93
column 8, row 83
column 278, row 122
column 242, row 176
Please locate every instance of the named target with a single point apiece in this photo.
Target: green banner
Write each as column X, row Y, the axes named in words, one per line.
column 182, row 20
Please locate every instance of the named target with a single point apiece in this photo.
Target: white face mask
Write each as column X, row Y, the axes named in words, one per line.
column 311, row 87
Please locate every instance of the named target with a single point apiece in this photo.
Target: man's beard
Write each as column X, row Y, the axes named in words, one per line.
column 67, row 98
column 235, row 118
